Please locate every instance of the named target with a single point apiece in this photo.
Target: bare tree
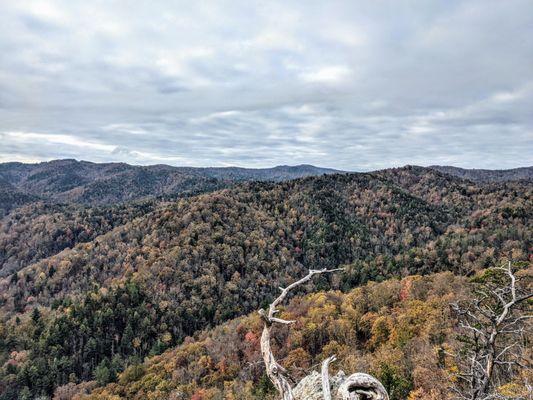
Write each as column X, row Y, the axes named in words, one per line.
column 495, row 328
column 354, row 387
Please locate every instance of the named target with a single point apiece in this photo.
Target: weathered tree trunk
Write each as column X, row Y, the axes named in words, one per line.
column 275, row 372
column 314, row 386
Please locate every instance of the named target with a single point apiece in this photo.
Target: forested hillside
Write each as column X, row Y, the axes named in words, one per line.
column 488, row 175
column 87, row 183
column 82, row 182
column 11, row 197
column 136, row 282
column 401, row 331
column 39, row 230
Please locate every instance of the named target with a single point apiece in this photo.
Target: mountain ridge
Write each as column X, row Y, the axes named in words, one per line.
column 161, row 271
column 487, row 175
column 83, row 182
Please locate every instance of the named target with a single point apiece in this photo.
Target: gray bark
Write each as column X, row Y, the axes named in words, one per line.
column 314, row 386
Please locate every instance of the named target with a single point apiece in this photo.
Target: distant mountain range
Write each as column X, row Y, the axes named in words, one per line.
column 487, row 175
column 82, row 182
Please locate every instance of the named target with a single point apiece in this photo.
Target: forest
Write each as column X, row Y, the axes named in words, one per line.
column 150, row 299
column 401, row 331
column 82, row 182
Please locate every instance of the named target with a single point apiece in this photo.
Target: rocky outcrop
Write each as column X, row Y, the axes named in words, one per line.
column 354, row 387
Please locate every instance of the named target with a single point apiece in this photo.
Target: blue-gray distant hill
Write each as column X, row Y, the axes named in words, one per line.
column 87, row 183
column 82, row 182
column 487, row 175
column 276, row 174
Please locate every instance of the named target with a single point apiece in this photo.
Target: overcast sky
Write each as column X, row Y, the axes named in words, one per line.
column 355, row 85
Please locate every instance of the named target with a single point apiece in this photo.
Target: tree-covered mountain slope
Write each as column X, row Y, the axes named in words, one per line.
column 199, row 261
column 82, row 182
column 11, row 197
column 401, row 331
column 39, row 230
column 59, row 214
column 487, row 175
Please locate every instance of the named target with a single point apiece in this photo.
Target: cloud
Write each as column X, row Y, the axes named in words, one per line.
column 355, row 85
column 29, row 138
column 333, row 74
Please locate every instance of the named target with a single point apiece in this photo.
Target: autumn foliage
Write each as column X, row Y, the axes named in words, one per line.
column 87, row 293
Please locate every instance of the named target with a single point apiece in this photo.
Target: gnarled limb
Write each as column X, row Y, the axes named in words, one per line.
column 277, row 374
column 494, row 323
column 355, row 387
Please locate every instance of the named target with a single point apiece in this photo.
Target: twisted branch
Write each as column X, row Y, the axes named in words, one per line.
column 277, row 374
column 326, row 390
column 362, row 386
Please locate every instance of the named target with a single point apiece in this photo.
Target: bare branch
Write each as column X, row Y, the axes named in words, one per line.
column 493, row 336
column 277, row 374
column 326, row 390
column 285, row 291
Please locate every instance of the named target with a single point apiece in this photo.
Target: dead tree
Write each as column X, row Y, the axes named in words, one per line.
column 494, row 326
column 315, row 386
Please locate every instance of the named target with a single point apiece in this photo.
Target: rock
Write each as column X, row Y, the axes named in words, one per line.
column 356, row 386
column 310, row 387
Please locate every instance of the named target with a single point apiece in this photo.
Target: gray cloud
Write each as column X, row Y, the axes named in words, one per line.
column 352, row 85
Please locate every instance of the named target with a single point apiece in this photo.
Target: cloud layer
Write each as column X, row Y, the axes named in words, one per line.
column 355, row 85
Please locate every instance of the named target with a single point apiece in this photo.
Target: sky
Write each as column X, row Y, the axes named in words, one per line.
column 353, row 85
